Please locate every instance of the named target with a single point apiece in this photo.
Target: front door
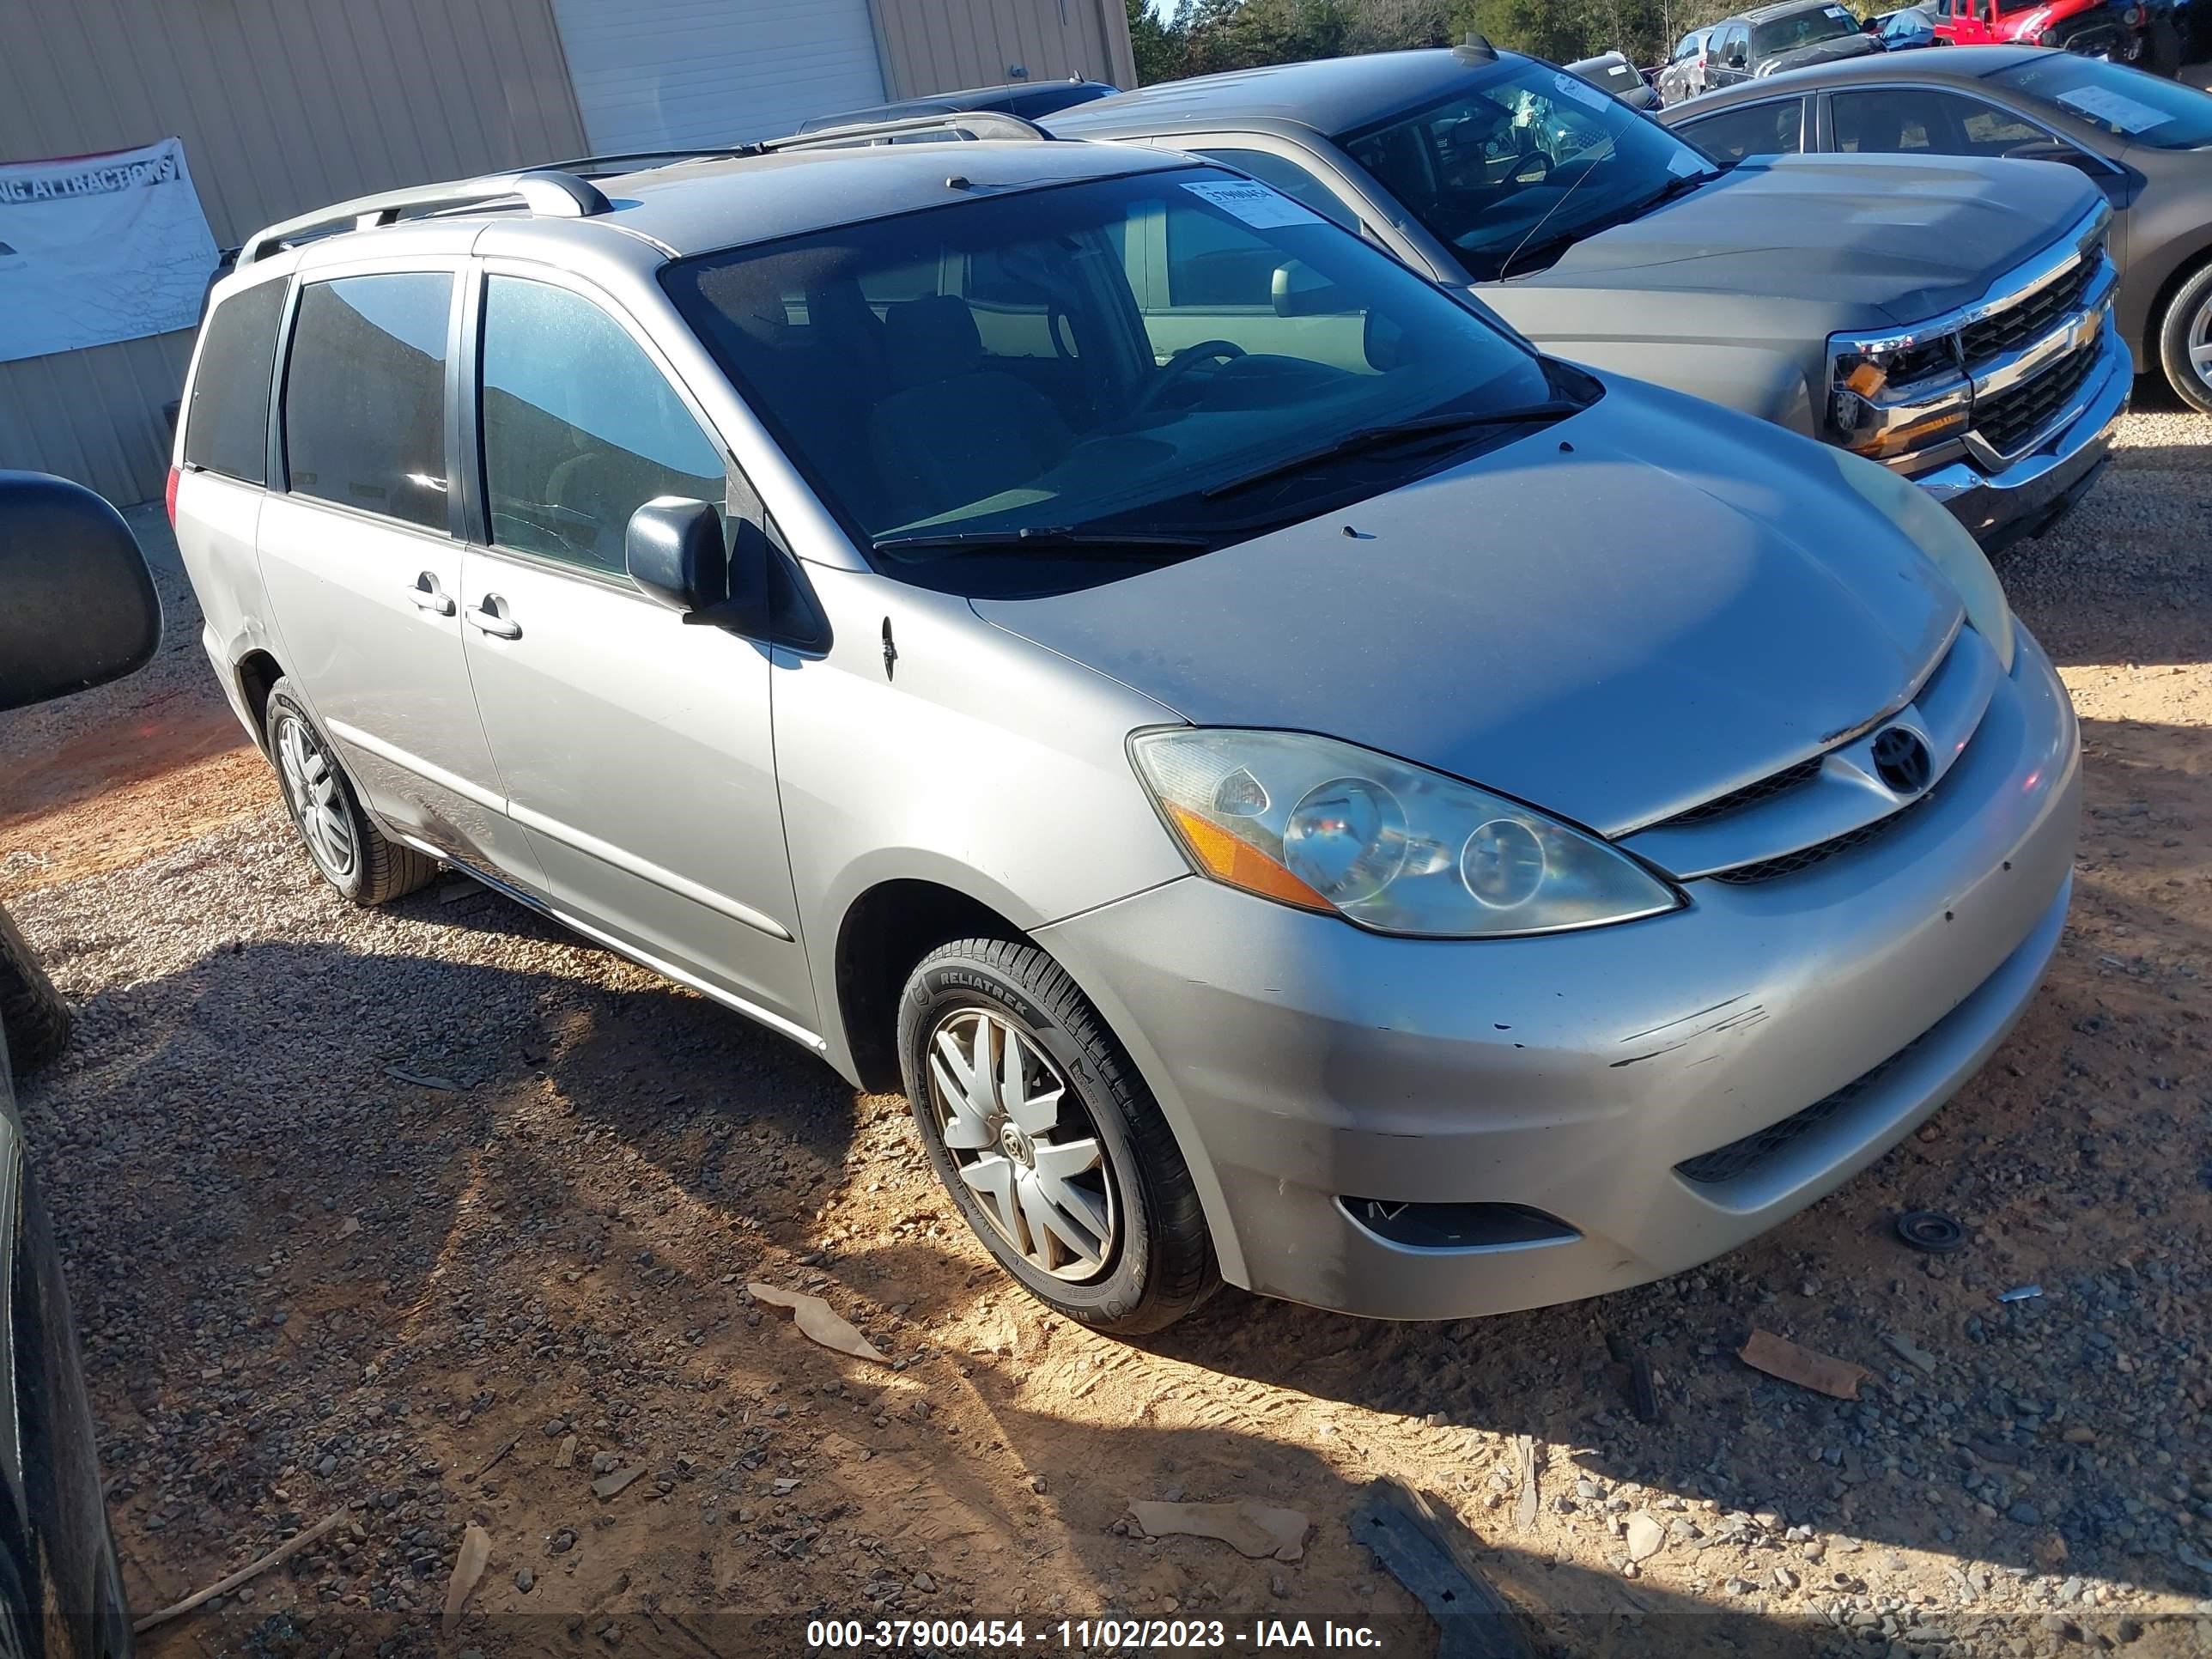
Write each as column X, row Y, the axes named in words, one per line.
column 362, row 567
column 635, row 750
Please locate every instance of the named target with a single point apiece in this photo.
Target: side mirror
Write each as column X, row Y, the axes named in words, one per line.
column 2051, row 149
column 78, row 608
column 674, row 550
column 1298, row 290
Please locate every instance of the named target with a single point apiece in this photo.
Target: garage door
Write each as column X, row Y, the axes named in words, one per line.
column 652, row 74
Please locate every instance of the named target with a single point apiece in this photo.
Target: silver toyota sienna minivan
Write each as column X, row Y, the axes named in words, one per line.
column 1298, row 787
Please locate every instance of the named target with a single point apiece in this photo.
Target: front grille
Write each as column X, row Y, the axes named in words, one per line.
column 2008, row 420
column 2031, row 320
column 1742, row 1157
column 1789, row 864
column 1765, row 789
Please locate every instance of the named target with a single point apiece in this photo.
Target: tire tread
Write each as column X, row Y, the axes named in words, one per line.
column 32, row 1011
column 1184, row 1271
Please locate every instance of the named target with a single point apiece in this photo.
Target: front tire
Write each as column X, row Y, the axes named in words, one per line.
column 31, row 1012
column 2184, row 341
column 1049, row 1143
column 347, row 849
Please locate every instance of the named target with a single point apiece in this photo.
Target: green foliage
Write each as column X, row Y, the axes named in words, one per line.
column 1200, row 37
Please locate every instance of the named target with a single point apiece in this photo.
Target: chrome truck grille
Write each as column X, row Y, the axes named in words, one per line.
column 1990, row 381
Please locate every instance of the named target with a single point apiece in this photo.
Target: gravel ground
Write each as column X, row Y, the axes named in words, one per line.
column 436, row 1215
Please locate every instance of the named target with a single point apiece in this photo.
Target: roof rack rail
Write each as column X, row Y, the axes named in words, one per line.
column 544, row 191
column 634, row 161
column 956, row 124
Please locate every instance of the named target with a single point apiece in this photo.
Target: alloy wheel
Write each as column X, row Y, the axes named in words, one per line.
column 1022, row 1140
column 317, row 799
column 2198, row 348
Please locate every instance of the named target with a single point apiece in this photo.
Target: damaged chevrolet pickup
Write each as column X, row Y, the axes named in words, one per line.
column 1949, row 316
column 1257, row 775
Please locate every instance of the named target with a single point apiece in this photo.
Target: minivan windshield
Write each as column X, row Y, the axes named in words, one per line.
column 2122, row 101
column 1522, row 161
column 1131, row 369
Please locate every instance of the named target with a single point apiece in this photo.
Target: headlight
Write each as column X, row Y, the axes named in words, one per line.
column 2048, row 38
column 1886, row 403
column 1944, row 540
column 1329, row 826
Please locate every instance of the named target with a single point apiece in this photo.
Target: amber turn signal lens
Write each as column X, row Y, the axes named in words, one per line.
column 1240, row 864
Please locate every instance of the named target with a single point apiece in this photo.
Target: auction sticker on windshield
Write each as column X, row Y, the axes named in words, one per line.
column 2102, row 104
column 1254, row 203
column 1580, row 93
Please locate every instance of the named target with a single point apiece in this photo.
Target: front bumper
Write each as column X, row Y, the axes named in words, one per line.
column 2000, row 507
column 1304, row 1062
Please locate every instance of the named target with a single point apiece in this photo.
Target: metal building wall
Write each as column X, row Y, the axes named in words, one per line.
column 936, row 46
column 283, row 105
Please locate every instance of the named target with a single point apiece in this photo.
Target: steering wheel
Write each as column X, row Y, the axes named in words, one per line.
column 1531, row 166
column 1173, row 372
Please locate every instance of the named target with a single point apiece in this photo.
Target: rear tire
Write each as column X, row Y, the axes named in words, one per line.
column 2184, row 341
column 1118, row 1242
column 344, row 844
column 31, row 1012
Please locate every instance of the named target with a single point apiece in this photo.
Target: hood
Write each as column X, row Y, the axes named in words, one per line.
column 1904, row 237
column 1613, row 633
column 1824, row 52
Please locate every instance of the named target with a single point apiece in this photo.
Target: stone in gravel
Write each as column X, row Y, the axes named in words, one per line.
column 564, row 1542
column 1903, row 1347
column 566, row 1456
column 1645, row 1536
column 924, row 1584
column 607, row 1486
column 524, row 1580
column 1738, row 1587
column 1784, row 1579
column 2062, row 1628
column 2025, row 1514
column 604, row 1463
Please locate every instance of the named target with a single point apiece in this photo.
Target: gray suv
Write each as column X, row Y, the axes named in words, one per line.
column 1309, row 793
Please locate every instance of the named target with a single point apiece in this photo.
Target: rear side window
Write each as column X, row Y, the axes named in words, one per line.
column 1759, row 129
column 226, row 429
column 580, row 429
column 365, row 394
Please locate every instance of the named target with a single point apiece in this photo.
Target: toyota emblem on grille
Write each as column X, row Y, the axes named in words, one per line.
column 1902, row 761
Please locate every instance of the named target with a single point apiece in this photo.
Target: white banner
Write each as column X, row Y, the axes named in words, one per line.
column 99, row 248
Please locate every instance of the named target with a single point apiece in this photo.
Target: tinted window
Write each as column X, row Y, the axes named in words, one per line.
column 1891, row 121
column 925, row 417
column 227, row 429
column 1759, row 129
column 580, row 429
column 1524, row 159
column 1290, row 179
column 1799, row 30
column 365, row 394
column 1916, row 118
column 2115, row 99
column 1692, row 45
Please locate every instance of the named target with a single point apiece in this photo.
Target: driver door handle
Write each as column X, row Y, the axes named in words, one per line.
column 429, row 595
column 488, row 617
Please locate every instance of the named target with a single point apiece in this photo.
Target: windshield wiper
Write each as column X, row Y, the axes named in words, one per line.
column 1399, row 432
column 1103, row 542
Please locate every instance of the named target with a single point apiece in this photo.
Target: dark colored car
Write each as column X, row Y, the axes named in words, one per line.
column 1753, row 45
column 1611, row 72
column 2145, row 141
column 81, row 610
column 1029, row 99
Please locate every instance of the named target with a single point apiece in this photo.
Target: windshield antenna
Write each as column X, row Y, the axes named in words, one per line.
column 1506, row 270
